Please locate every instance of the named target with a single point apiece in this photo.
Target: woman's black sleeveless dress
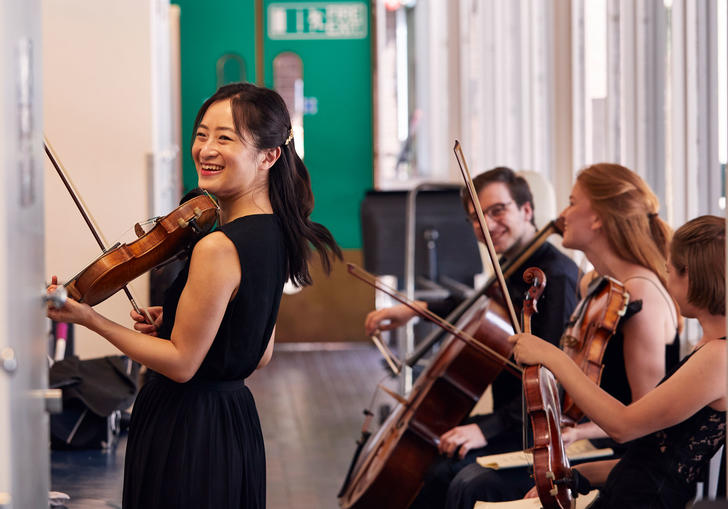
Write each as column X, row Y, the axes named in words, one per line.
column 660, row 470
column 199, row 444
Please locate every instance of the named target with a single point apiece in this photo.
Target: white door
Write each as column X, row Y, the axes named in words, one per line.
column 24, row 470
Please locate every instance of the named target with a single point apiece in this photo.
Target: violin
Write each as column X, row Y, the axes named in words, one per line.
column 122, row 263
column 170, row 236
column 551, row 470
column 587, row 335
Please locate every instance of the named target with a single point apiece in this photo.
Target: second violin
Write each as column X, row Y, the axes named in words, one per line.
column 587, row 335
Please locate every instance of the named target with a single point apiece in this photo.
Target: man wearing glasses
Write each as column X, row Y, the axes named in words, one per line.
column 507, row 205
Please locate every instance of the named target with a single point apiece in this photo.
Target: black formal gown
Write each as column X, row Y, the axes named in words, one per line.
column 199, row 444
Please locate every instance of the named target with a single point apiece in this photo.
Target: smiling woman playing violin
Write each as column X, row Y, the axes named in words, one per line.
column 195, row 438
column 681, row 423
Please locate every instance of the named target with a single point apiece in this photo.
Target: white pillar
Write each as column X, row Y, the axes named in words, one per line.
column 24, row 465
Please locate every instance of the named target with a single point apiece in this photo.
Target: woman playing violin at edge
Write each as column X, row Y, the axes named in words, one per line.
column 195, row 438
column 611, row 217
column 679, row 425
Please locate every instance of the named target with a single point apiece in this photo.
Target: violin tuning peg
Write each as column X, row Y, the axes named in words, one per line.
column 197, row 212
column 182, row 222
column 554, row 491
column 550, row 475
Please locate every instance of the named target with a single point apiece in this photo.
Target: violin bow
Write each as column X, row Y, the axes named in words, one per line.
column 55, row 161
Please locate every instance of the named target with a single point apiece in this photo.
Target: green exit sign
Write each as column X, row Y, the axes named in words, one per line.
column 317, row 20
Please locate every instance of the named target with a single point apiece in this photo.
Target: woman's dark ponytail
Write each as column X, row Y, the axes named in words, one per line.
column 292, row 200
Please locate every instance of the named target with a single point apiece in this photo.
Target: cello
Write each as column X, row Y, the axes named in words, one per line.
column 388, row 470
column 390, row 467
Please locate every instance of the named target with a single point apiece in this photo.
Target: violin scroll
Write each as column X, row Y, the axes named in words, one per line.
column 536, row 280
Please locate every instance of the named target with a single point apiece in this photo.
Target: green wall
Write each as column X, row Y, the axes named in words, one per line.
column 336, row 72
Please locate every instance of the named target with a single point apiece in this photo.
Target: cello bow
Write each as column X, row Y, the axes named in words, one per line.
column 423, row 312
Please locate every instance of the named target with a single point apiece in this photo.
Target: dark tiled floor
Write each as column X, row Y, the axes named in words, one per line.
column 310, row 405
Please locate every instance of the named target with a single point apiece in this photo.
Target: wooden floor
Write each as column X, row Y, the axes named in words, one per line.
column 310, row 405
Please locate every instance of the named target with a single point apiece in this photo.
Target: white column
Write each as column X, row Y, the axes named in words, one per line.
column 694, row 141
column 24, row 465
column 103, row 110
column 432, row 89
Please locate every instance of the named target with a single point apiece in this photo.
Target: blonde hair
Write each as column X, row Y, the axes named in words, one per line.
column 698, row 247
column 628, row 210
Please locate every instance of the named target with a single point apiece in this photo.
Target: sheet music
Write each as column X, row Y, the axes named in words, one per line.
column 579, row 450
column 534, row 503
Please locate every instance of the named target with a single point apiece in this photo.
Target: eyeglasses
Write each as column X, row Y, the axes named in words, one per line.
column 495, row 212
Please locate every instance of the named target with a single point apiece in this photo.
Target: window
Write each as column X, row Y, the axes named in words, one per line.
column 288, row 81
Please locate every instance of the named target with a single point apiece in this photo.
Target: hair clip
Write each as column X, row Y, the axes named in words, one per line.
column 290, row 137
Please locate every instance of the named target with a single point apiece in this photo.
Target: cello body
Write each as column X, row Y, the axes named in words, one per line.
column 392, row 466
